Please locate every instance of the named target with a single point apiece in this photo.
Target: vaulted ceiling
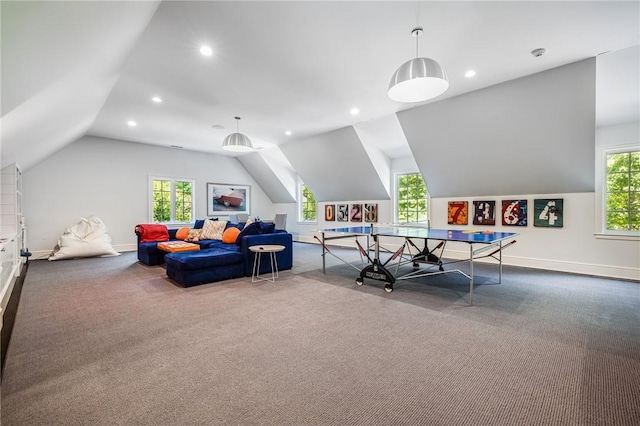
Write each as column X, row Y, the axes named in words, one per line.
column 74, row 68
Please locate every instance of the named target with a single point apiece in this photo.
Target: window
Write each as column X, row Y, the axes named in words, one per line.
column 171, row 200
column 622, row 191
column 411, row 198
column 307, row 205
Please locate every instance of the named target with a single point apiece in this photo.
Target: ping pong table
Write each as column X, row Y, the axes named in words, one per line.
column 481, row 245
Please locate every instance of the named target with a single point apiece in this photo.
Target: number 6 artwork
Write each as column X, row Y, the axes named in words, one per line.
column 514, row 212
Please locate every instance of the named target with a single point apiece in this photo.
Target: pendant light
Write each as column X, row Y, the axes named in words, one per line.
column 237, row 142
column 419, row 79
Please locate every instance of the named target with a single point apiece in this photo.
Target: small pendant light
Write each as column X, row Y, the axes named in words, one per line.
column 237, row 142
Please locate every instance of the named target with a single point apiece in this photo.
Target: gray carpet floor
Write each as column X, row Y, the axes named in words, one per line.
column 109, row 341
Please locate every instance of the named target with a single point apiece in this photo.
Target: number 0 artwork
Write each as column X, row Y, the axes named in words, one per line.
column 514, row 212
column 548, row 212
column 330, row 212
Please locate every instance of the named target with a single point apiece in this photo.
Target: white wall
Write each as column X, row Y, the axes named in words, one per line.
column 572, row 248
column 109, row 178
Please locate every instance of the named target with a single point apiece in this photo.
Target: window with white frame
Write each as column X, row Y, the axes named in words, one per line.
column 411, row 202
column 307, row 207
column 622, row 191
column 172, row 200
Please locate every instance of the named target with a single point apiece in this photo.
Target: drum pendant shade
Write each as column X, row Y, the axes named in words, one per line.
column 237, row 142
column 418, row 79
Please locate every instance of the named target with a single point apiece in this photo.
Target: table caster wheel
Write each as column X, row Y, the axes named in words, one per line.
column 359, row 281
column 416, row 266
column 441, row 268
column 388, row 288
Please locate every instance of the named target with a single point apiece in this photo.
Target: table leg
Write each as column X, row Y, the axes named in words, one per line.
column 323, row 253
column 256, row 266
column 471, row 274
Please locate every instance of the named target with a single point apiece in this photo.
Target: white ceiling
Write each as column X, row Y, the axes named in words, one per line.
column 298, row 66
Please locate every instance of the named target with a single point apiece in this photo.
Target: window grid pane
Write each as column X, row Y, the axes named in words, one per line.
column 623, row 191
column 412, row 198
column 183, row 202
column 308, row 205
column 172, row 201
column 161, row 200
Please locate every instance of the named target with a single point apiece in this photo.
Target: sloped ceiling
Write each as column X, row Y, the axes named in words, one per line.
column 280, row 65
column 60, row 61
column 336, row 167
column 533, row 135
column 618, row 87
column 273, row 173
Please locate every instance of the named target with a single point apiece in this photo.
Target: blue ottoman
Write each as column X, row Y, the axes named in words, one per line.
column 204, row 266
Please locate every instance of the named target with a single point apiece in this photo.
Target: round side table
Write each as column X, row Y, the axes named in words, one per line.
column 271, row 249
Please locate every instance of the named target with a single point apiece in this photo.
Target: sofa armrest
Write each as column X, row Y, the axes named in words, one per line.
column 285, row 257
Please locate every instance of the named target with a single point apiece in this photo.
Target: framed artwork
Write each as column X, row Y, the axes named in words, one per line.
column 457, row 212
column 370, row 212
column 484, row 212
column 342, row 213
column 330, row 212
column 547, row 212
column 355, row 214
column 514, row 212
column 228, row 198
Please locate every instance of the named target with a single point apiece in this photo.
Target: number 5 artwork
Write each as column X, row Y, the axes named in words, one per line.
column 514, row 212
column 548, row 212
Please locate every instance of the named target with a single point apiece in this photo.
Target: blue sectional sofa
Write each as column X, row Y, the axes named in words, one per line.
column 217, row 261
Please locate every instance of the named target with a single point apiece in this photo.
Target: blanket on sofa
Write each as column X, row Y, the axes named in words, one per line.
column 152, row 232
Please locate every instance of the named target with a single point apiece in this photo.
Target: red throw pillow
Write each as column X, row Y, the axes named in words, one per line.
column 230, row 235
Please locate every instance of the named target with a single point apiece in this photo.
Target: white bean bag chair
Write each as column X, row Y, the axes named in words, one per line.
column 87, row 238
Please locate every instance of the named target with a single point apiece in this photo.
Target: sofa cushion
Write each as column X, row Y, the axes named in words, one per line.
column 213, row 229
column 250, row 229
column 203, row 259
column 182, row 233
column 267, row 228
column 230, row 235
column 194, row 235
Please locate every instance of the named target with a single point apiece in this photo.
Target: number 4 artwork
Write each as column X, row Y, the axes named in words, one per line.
column 548, row 212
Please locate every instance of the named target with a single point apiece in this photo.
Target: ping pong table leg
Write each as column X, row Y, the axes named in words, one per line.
column 471, row 274
column 323, row 253
column 500, row 262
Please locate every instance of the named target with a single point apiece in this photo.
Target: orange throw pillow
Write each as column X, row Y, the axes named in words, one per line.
column 182, row 233
column 230, row 235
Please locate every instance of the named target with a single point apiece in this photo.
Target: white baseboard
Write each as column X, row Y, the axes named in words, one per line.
column 44, row 254
column 608, row 271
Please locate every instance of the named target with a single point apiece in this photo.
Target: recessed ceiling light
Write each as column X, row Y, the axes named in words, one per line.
column 206, row 50
column 355, row 111
column 217, row 126
column 469, row 73
column 288, row 133
column 132, row 123
column 156, row 99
